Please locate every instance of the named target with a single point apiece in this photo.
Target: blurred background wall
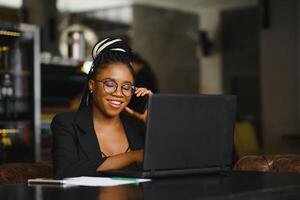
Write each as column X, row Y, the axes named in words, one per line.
column 279, row 46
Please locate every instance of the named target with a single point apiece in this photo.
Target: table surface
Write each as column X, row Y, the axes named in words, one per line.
column 235, row 185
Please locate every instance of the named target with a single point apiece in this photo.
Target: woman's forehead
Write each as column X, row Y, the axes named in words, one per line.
column 116, row 71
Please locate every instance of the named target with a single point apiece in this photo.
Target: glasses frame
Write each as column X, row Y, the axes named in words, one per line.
column 133, row 88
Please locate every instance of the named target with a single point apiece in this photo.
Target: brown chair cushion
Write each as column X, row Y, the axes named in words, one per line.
column 287, row 165
column 11, row 173
column 252, row 163
column 276, row 163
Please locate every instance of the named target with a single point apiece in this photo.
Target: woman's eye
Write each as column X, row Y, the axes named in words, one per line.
column 126, row 87
column 110, row 84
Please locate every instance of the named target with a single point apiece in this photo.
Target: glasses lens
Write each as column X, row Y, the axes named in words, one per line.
column 127, row 89
column 110, row 86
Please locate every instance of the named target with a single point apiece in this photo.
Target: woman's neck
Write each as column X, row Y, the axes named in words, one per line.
column 99, row 117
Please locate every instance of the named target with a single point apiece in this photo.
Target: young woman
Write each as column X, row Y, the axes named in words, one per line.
column 101, row 135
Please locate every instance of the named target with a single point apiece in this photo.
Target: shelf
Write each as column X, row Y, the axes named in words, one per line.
column 16, row 73
column 62, row 63
column 15, row 121
column 18, row 99
column 20, row 115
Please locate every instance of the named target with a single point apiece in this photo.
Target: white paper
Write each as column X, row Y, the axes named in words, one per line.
column 102, row 181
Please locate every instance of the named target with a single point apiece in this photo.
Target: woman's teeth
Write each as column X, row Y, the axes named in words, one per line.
column 116, row 102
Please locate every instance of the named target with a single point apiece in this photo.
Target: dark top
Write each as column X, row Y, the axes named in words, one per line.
column 75, row 149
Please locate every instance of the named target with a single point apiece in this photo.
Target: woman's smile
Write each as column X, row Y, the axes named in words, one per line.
column 115, row 103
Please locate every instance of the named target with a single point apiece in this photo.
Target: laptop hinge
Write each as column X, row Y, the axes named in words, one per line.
column 223, row 167
column 152, row 172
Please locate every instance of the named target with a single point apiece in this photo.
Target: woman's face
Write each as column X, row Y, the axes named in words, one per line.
column 111, row 89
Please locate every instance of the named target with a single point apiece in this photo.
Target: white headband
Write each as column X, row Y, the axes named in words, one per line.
column 98, row 48
column 118, row 49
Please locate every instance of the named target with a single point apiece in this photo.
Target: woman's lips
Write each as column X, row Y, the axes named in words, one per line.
column 115, row 103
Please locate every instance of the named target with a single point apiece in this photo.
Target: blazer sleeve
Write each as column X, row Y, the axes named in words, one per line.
column 65, row 148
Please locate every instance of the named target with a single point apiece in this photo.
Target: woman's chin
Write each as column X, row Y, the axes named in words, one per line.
column 113, row 112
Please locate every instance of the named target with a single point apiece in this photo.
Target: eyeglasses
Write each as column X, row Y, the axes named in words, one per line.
column 111, row 86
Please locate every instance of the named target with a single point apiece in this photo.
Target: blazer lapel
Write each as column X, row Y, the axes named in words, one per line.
column 86, row 133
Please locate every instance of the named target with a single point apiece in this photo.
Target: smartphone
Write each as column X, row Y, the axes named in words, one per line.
column 138, row 104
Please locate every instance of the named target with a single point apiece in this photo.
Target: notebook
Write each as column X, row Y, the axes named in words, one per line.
column 186, row 134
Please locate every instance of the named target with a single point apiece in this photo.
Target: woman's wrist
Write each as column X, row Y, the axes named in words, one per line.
column 137, row 156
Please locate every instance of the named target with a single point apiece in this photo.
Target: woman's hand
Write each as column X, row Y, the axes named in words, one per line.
column 140, row 92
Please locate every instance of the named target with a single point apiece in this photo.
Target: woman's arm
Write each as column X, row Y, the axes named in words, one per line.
column 121, row 160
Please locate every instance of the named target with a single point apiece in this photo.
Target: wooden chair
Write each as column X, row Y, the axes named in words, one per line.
column 12, row 173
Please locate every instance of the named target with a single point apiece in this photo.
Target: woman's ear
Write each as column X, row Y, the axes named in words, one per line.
column 91, row 84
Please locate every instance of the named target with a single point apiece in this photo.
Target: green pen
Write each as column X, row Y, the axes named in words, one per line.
column 135, row 181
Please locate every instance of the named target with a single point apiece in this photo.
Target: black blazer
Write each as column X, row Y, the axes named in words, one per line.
column 75, row 150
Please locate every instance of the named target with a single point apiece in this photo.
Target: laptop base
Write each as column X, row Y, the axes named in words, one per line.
column 162, row 173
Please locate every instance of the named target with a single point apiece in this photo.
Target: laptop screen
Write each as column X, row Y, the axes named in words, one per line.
column 189, row 131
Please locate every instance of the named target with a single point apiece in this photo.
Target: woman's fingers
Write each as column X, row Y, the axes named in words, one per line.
column 142, row 92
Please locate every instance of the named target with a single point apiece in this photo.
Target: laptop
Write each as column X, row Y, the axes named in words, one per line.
column 186, row 134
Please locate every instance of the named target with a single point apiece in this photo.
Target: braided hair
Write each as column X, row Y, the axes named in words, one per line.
column 105, row 52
